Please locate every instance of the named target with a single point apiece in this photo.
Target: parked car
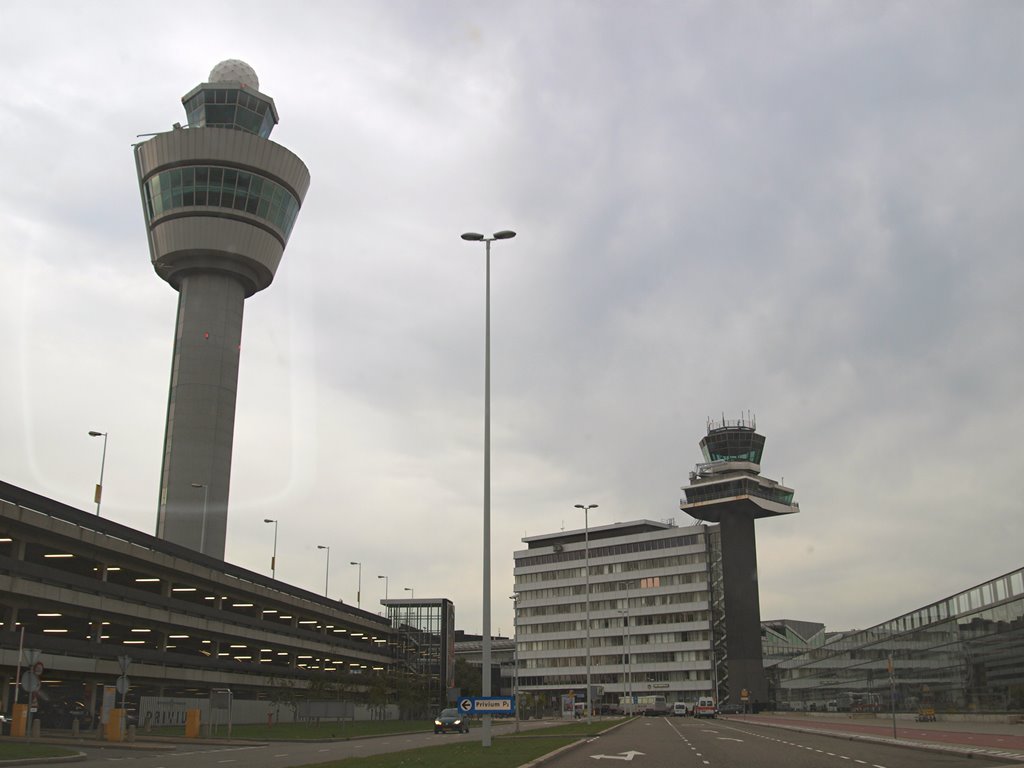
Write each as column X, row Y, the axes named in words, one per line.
column 451, row 720
column 731, row 709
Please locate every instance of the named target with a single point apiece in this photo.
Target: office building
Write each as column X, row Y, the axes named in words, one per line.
column 649, row 613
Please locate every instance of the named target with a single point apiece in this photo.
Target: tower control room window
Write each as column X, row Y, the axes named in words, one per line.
column 215, row 187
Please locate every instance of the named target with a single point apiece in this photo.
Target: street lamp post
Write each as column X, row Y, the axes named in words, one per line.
column 515, row 655
column 586, row 567
column 628, row 687
column 385, row 586
column 206, row 501
column 327, row 573
column 273, row 557
column 103, row 463
column 359, row 584
column 504, row 234
column 411, row 591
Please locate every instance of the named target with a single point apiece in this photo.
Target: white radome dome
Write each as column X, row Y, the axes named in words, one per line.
column 235, row 71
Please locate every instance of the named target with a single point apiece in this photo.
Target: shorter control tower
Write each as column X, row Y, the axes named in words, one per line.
column 727, row 488
column 220, row 200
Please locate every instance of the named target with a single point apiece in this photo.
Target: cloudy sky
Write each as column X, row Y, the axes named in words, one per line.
column 811, row 212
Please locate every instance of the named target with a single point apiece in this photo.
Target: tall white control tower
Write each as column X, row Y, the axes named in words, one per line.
column 220, row 200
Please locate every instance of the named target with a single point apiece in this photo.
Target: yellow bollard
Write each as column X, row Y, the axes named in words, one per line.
column 192, row 724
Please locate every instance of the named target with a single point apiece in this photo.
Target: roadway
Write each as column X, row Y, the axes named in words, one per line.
column 685, row 742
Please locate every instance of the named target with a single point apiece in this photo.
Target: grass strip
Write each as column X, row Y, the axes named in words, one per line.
column 506, row 751
column 13, row 750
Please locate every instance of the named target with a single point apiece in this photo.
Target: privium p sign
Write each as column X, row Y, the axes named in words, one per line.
column 488, row 705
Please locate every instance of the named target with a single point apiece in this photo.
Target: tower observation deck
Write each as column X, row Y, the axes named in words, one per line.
column 727, row 488
column 220, row 200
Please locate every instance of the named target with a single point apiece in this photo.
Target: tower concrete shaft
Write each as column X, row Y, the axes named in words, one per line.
column 220, row 200
column 727, row 489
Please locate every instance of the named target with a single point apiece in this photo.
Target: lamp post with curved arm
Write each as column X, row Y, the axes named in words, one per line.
column 327, row 573
column 273, row 557
column 206, row 502
column 359, row 584
column 103, row 464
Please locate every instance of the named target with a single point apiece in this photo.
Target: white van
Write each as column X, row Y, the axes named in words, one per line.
column 681, row 709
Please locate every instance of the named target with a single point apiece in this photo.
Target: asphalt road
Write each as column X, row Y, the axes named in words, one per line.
column 684, row 742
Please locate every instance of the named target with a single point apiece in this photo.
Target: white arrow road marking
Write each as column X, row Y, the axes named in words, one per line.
column 628, row 756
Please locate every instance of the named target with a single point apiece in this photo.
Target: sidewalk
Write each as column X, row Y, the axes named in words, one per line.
column 989, row 739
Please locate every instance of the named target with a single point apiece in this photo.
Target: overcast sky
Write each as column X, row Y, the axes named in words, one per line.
column 811, row 212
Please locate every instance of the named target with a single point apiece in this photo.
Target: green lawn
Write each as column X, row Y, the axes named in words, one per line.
column 15, row 750
column 298, row 731
column 509, row 751
column 325, row 730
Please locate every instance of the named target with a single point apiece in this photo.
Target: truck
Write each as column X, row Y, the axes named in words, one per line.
column 651, row 706
column 705, row 707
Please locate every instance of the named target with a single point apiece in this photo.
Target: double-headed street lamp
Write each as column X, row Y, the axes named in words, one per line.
column 504, row 234
column 586, row 567
column 103, row 463
column 273, row 557
column 359, row 584
column 327, row 574
column 206, row 501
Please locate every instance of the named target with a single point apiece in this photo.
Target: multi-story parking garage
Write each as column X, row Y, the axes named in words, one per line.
column 85, row 591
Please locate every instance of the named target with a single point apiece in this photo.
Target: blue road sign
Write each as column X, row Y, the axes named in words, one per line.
column 487, row 705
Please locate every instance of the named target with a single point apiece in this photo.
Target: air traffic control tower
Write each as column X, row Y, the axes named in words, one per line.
column 727, row 488
column 220, row 200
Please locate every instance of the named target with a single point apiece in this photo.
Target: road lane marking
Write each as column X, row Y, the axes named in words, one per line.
column 627, row 756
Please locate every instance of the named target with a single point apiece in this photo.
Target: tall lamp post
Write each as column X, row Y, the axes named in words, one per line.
column 586, row 567
column 385, row 586
column 103, row 463
column 628, row 687
column 273, row 557
column 504, row 234
column 206, row 502
column 515, row 654
column 411, row 591
column 327, row 573
column 359, row 584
